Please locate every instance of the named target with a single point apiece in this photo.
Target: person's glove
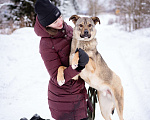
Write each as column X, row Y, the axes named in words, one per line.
column 83, row 59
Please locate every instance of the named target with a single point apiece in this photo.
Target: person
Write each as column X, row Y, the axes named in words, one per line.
column 69, row 101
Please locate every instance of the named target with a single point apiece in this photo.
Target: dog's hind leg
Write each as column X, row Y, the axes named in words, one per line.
column 119, row 102
column 60, row 75
column 106, row 104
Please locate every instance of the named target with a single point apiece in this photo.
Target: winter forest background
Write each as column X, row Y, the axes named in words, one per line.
column 123, row 40
column 132, row 14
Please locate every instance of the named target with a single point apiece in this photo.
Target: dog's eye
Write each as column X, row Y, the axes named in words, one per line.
column 81, row 25
column 90, row 25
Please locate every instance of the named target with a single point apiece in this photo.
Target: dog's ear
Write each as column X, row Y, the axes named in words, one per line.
column 96, row 19
column 74, row 18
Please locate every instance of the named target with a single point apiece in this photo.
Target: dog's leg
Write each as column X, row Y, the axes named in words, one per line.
column 119, row 102
column 91, row 65
column 106, row 103
column 60, row 75
column 74, row 63
column 75, row 60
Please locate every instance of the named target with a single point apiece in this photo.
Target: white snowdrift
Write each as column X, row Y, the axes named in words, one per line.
column 24, row 79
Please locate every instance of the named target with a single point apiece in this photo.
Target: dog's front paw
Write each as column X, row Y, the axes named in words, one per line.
column 74, row 66
column 61, row 82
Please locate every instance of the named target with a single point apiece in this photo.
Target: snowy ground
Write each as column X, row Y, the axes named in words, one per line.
column 24, row 79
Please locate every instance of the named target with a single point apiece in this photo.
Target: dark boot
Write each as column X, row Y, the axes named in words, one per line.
column 92, row 93
column 37, row 117
column 24, row 118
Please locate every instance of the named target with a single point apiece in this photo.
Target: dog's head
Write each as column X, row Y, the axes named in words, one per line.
column 84, row 27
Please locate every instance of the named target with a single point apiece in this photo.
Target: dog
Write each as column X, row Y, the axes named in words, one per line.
column 96, row 73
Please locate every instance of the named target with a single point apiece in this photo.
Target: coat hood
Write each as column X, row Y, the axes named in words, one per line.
column 40, row 30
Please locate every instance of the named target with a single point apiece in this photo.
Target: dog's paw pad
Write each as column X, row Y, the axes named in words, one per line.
column 74, row 66
column 61, row 82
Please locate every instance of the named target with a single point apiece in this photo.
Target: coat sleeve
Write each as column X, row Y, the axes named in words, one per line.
column 53, row 62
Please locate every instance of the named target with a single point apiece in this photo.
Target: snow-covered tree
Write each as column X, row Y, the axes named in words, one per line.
column 5, row 25
column 76, row 6
column 95, row 7
column 56, row 2
column 69, row 7
column 133, row 14
column 22, row 12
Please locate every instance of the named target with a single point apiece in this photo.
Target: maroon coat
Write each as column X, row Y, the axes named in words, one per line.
column 67, row 102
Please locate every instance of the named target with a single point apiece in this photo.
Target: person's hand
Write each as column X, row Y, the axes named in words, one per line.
column 83, row 59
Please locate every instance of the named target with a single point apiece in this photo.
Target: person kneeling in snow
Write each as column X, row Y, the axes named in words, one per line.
column 69, row 101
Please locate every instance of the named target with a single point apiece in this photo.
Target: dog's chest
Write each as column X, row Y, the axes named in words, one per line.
column 87, row 45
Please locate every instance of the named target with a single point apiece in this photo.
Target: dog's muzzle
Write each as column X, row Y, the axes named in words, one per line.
column 86, row 34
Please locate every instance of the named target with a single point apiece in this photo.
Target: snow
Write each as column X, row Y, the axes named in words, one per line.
column 24, row 79
column 4, row 4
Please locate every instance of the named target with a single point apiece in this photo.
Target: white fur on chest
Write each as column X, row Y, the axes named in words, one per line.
column 86, row 45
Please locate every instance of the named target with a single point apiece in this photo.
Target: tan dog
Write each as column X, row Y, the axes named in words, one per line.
column 96, row 73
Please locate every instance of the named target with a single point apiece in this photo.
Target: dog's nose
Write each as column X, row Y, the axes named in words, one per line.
column 86, row 32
